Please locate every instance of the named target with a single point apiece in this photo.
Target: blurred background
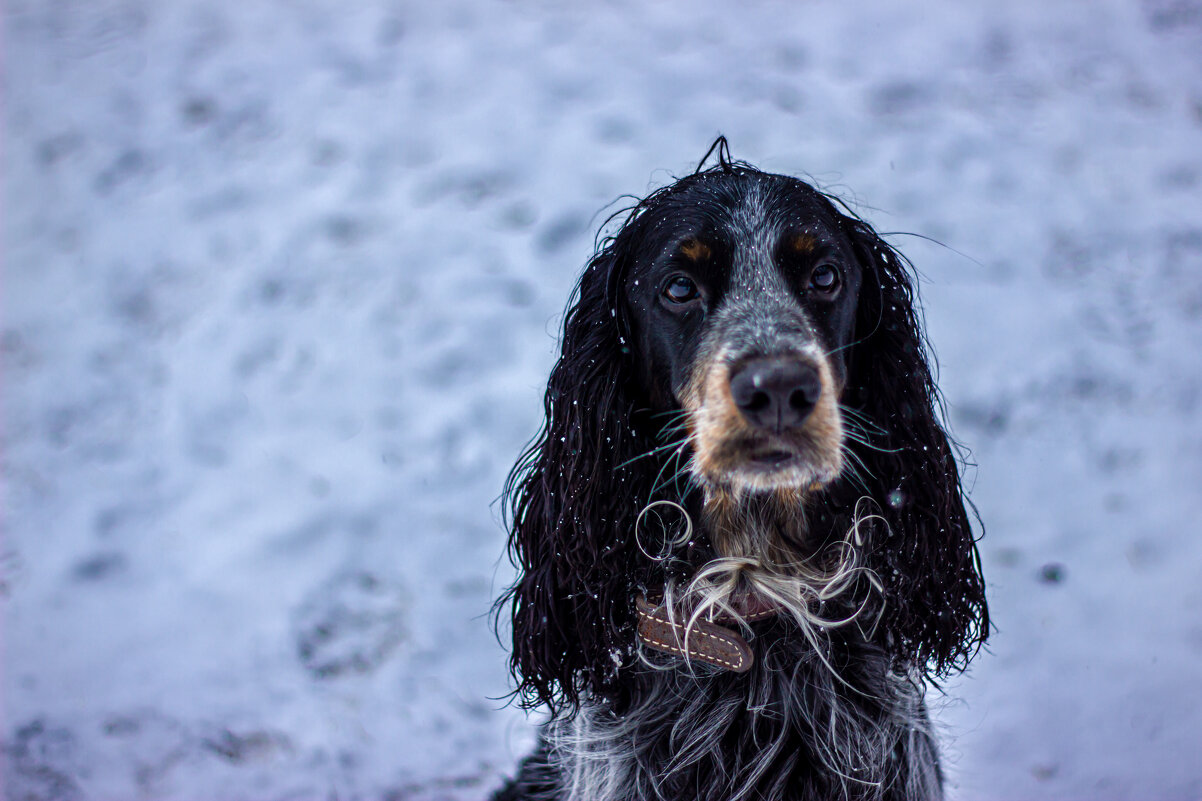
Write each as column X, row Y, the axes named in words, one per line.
column 281, row 285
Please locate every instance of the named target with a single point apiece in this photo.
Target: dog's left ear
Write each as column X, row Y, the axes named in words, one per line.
column 935, row 615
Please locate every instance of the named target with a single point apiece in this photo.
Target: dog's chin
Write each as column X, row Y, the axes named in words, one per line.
column 774, row 469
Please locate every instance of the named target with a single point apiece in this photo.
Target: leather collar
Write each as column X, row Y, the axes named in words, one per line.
column 707, row 640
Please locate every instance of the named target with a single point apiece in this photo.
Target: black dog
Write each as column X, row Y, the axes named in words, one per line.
column 742, row 544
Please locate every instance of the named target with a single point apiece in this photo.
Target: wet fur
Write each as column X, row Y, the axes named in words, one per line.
column 865, row 544
column 789, row 729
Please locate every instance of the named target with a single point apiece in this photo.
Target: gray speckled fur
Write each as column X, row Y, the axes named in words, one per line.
column 789, row 729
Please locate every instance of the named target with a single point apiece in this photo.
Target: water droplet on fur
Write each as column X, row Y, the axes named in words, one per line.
column 897, row 499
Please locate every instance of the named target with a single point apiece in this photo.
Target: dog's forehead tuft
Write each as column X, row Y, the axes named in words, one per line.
column 749, row 202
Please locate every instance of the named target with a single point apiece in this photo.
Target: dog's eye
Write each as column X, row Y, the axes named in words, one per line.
column 825, row 278
column 681, row 290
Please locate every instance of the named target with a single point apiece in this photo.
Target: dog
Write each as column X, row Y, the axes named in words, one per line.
column 742, row 546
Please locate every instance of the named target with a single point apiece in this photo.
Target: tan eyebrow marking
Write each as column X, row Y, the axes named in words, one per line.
column 803, row 243
column 694, row 250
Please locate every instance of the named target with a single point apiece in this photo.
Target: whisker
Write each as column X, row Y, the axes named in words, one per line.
column 859, row 440
column 855, row 431
column 676, row 429
column 861, row 420
column 857, row 469
column 656, row 486
column 681, row 471
column 674, row 479
column 651, row 452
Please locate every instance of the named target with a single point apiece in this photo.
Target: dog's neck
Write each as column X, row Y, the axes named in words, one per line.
column 767, row 527
column 765, row 564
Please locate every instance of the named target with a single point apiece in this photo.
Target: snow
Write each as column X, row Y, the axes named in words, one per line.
column 281, row 285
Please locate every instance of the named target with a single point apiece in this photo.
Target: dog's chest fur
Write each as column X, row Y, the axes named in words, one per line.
column 788, row 729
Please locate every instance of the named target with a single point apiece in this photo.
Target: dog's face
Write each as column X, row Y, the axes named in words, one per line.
column 741, row 295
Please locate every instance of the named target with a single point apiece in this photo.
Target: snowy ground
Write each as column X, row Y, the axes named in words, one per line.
column 280, row 287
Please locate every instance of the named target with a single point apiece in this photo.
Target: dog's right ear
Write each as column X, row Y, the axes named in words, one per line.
column 572, row 501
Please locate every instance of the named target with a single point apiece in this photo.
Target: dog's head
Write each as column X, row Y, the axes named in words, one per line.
column 740, row 340
column 741, row 292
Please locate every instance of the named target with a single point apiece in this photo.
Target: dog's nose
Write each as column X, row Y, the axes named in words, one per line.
column 776, row 393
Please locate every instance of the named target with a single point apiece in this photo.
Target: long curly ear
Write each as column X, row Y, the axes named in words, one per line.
column 573, row 499
column 935, row 614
